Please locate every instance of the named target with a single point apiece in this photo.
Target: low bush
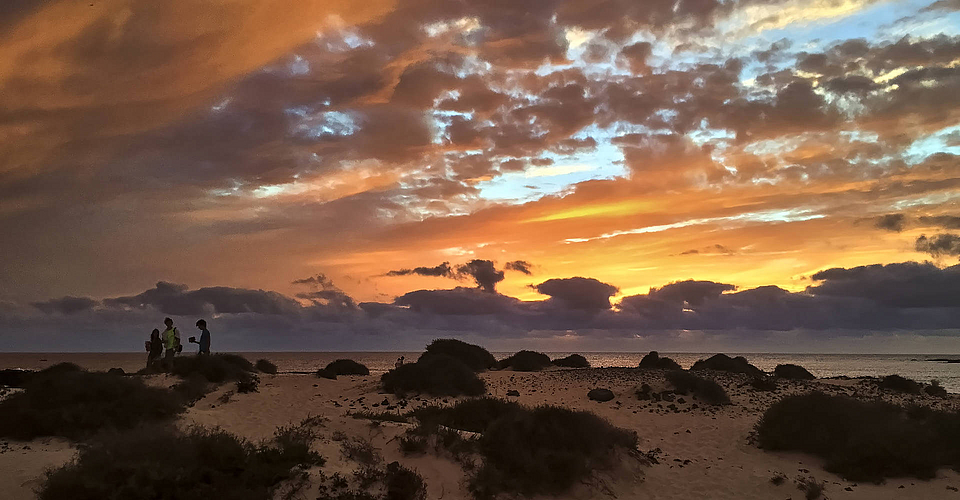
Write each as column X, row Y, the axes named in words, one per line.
column 403, row 483
column 438, row 375
column 192, row 388
column 324, row 373
column 935, row 389
column 525, row 361
column 704, row 390
column 863, row 441
column 811, row 488
column 724, row 363
column 216, row 368
column 900, row 384
column 764, row 383
column 475, row 357
column 14, row 377
column 653, row 360
column 75, row 403
column 792, row 372
column 161, row 463
column 545, row 450
column 572, row 361
column 347, row 367
column 528, row 451
column 265, row 366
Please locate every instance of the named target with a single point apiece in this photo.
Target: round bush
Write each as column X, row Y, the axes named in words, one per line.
column 474, row 356
column 793, row 372
column 525, row 361
column 572, row 361
column 347, row 367
column 437, row 374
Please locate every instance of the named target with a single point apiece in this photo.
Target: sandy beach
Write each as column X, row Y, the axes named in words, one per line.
column 701, row 451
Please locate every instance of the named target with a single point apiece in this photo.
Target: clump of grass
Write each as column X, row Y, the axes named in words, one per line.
column 811, row 488
column 360, row 450
column 69, row 402
column 900, row 384
column 404, row 484
column 792, row 372
column 527, row 451
column 724, row 363
column 347, row 367
column 935, row 389
column 475, row 357
column 653, row 360
column 525, row 361
column 705, row 390
column 778, row 478
column 160, row 462
column 437, row 374
column 572, row 361
column 412, row 444
column 863, row 441
column 378, row 416
column 265, row 366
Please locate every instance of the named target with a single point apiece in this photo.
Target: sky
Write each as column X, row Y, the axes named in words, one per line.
column 684, row 175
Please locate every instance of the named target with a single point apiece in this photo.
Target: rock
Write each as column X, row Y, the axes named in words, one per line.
column 601, row 395
column 667, row 396
column 792, row 372
column 385, row 402
column 513, row 392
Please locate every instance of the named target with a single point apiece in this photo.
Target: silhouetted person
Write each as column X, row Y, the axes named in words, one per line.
column 154, row 348
column 204, row 338
column 399, row 362
column 171, row 342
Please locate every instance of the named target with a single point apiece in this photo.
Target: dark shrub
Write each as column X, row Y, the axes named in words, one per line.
column 61, row 368
column 404, row 484
column 437, row 374
column 412, row 445
column 792, row 372
column 545, row 450
column 378, row 416
column 703, row 389
column 900, row 384
column 863, row 440
column 525, row 361
column 159, row 462
column 653, row 361
column 473, row 415
column 475, row 357
column 265, row 366
column 764, row 383
column 75, row 403
column 935, row 390
column 601, row 395
column 811, row 488
column 347, row 367
column 14, row 378
column 324, row 373
column 192, row 388
column 216, row 368
column 724, row 363
column 251, row 384
column 572, row 361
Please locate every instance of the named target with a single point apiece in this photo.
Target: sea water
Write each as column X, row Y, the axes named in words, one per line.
column 920, row 367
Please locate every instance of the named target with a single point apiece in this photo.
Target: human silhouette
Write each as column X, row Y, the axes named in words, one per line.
column 204, row 338
column 171, row 342
column 154, row 347
column 399, row 362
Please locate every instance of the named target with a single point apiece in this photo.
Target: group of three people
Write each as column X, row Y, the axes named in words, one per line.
column 168, row 342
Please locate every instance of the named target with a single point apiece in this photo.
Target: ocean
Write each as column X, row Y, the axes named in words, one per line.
column 919, row 367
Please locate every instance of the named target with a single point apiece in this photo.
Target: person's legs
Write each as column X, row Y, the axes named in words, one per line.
column 168, row 358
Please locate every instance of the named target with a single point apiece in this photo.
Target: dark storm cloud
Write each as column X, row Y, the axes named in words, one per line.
column 459, row 301
column 442, row 270
column 520, row 266
column 890, row 222
column 483, row 272
column 179, row 300
column 691, row 291
column 320, row 280
column 580, row 293
column 943, row 221
column 66, row 305
column 939, row 245
column 905, row 285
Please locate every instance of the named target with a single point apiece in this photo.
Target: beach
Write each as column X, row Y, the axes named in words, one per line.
column 695, row 450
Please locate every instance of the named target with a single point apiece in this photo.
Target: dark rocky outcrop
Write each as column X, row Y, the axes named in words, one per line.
column 601, row 395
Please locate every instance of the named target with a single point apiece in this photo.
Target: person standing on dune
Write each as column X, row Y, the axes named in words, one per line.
column 204, row 338
column 171, row 342
column 154, row 348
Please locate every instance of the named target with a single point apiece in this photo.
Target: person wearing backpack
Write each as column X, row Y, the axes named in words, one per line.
column 171, row 342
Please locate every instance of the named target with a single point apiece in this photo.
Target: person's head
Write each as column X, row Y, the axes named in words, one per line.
column 201, row 324
column 401, row 358
column 168, row 322
column 155, row 332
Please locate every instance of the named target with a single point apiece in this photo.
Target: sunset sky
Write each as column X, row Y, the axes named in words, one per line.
column 332, row 174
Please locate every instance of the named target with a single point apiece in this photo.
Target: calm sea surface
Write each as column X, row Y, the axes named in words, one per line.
column 914, row 366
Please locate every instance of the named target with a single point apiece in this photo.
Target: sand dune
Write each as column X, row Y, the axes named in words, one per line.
column 703, row 451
